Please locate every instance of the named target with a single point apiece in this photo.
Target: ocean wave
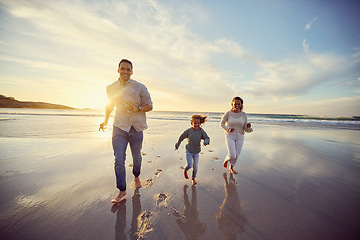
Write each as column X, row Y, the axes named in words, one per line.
column 268, row 119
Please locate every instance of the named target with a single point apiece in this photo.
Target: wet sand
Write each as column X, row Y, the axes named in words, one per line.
column 293, row 183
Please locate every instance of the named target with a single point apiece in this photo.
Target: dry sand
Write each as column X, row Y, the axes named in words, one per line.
column 293, row 183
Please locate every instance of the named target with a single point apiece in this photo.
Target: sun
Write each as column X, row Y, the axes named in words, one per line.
column 96, row 99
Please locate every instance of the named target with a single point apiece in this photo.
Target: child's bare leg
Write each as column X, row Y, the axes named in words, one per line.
column 117, row 199
column 137, row 182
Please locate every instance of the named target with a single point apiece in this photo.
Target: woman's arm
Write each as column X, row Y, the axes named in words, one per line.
column 224, row 119
column 247, row 126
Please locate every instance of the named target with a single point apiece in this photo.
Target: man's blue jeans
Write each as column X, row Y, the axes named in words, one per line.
column 192, row 162
column 120, row 140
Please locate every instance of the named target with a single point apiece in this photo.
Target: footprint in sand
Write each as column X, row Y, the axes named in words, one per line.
column 150, row 181
column 151, row 161
column 161, row 199
column 144, row 223
column 157, row 172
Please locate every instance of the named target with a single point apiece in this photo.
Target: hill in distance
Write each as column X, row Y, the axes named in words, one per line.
column 10, row 102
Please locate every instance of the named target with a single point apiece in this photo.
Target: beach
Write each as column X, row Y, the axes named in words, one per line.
column 293, row 182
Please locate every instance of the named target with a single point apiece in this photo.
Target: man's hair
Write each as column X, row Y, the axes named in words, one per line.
column 127, row 61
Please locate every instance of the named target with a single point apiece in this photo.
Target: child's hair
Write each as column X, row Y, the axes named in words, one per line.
column 200, row 117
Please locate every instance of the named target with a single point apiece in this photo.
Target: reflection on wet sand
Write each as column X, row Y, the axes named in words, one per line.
column 136, row 204
column 120, row 210
column 188, row 222
column 230, row 219
column 140, row 223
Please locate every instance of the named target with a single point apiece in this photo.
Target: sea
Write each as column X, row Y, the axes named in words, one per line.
column 60, row 123
column 57, row 179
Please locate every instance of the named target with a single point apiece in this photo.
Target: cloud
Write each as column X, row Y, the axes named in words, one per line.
column 308, row 26
column 335, row 107
column 354, row 83
column 305, row 46
column 345, row 106
column 230, row 47
column 78, row 40
column 357, row 53
column 295, row 77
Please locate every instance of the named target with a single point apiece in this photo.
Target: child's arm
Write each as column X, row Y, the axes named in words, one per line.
column 181, row 138
column 206, row 138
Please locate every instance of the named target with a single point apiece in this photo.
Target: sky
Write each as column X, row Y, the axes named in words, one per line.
column 279, row 56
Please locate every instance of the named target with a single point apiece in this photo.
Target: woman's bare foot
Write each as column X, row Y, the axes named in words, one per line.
column 137, row 182
column 232, row 171
column 226, row 163
column 193, row 182
column 186, row 175
column 117, row 199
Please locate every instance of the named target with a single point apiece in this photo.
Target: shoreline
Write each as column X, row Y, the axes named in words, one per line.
column 187, row 113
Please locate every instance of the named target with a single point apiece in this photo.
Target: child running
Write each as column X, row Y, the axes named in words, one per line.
column 194, row 136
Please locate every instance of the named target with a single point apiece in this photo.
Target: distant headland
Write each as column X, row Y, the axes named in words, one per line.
column 10, row 102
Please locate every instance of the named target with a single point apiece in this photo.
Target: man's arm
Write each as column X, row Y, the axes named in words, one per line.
column 108, row 109
column 146, row 101
column 144, row 108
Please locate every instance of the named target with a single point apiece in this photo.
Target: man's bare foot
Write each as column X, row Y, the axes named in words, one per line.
column 226, row 163
column 117, row 199
column 193, row 182
column 232, row 171
column 186, row 175
column 137, row 182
